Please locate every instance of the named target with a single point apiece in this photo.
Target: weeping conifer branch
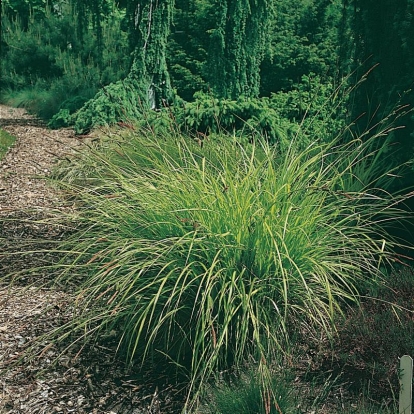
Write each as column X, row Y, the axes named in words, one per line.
column 149, row 69
column 237, row 46
column 147, row 85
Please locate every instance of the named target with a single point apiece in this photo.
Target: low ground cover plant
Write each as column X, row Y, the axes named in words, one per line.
column 206, row 255
column 6, row 141
column 245, row 395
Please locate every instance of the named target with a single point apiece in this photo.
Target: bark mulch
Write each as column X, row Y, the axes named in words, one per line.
column 55, row 380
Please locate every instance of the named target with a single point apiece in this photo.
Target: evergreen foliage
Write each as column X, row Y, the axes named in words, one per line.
column 149, row 69
column 147, row 85
column 379, row 35
column 238, row 43
column 93, row 35
column 53, row 64
column 117, row 102
column 311, row 111
column 188, row 44
column 24, row 10
column 304, row 40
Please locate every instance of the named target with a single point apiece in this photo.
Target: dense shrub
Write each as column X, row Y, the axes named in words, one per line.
column 119, row 102
column 312, row 110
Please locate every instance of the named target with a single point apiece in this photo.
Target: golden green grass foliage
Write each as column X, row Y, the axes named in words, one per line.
column 205, row 256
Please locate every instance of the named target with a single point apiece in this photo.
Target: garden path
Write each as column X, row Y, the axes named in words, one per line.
column 32, row 157
column 90, row 383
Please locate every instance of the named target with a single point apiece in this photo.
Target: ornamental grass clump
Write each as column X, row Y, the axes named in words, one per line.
column 207, row 255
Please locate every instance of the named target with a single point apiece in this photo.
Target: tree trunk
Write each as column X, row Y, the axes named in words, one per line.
column 149, row 69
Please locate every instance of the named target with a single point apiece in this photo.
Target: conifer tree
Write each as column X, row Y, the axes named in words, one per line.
column 147, row 85
column 383, row 35
column 237, row 46
column 149, row 69
column 383, row 40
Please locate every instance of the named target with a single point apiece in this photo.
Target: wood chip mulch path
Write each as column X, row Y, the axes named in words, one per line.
column 92, row 382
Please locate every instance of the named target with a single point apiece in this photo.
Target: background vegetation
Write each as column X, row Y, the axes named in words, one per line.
column 268, row 238
column 57, row 55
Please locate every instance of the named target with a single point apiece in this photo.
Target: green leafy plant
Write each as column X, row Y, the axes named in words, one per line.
column 118, row 102
column 61, row 119
column 312, row 110
column 6, row 141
